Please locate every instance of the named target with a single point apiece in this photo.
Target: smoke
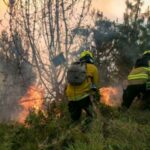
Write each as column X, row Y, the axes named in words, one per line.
column 14, row 82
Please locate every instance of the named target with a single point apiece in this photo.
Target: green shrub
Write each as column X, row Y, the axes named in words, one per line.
column 110, row 130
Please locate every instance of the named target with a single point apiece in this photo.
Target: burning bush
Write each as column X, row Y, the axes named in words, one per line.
column 111, row 96
column 33, row 99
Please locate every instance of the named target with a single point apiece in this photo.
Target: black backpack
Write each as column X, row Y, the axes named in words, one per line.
column 76, row 73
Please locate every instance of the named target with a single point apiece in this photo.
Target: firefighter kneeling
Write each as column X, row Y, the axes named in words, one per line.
column 138, row 82
column 81, row 77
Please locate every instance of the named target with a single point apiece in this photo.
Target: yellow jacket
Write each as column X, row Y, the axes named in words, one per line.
column 139, row 75
column 75, row 93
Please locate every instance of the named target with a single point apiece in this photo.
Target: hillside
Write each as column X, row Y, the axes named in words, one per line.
column 110, row 130
column 41, row 41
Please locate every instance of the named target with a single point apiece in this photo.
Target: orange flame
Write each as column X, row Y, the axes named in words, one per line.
column 32, row 100
column 110, row 96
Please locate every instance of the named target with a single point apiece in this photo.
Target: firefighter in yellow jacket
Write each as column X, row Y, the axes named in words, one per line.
column 79, row 94
column 138, row 81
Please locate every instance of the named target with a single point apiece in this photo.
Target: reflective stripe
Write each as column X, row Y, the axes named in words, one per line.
column 146, row 52
column 138, row 76
column 146, row 68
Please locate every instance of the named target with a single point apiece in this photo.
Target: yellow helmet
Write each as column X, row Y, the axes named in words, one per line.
column 146, row 52
column 85, row 53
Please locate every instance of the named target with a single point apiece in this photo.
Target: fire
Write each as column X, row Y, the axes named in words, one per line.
column 32, row 100
column 110, row 96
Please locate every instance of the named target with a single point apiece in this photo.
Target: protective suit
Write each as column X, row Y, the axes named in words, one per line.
column 79, row 96
column 138, row 82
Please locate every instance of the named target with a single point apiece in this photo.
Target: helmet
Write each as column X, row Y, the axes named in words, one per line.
column 87, row 56
column 86, row 53
column 146, row 52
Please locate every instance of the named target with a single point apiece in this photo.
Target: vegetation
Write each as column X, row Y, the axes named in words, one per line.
column 110, row 130
column 116, row 47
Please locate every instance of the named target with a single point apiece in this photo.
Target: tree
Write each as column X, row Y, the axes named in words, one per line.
column 119, row 44
column 46, row 26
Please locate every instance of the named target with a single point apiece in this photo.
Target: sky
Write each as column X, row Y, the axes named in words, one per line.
column 3, row 19
column 107, row 6
column 112, row 9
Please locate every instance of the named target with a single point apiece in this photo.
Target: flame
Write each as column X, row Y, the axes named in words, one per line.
column 33, row 99
column 110, row 96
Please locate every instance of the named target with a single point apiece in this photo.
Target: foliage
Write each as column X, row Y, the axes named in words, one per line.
column 117, row 45
column 111, row 130
column 115, row 52
column 46, row 28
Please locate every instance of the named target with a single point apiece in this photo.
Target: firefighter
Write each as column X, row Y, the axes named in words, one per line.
column 79, row 96
column 138, row 82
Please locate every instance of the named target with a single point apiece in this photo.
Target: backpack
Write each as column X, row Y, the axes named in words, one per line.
column 76, row 74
